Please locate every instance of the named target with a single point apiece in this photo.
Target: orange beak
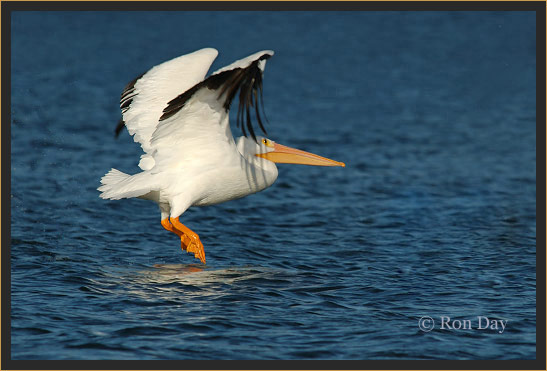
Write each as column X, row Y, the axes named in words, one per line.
column 287, row 155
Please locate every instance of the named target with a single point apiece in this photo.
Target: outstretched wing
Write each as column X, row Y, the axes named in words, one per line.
column 144, row 99
column 195, row 124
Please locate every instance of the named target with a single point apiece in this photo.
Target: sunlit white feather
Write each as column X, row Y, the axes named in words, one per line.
column 158, row 86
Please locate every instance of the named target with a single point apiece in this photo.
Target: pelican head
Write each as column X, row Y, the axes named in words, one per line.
column 278, row 153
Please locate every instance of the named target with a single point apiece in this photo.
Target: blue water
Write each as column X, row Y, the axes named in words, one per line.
column 434, row 215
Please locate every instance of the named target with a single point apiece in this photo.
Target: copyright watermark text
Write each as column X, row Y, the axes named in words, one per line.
column 427, row 323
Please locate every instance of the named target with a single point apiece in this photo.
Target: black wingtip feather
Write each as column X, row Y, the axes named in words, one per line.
column 126, row 99
column 247, row 81
column 119, row 127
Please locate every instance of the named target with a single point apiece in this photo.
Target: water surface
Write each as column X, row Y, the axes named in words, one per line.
column 434, row 215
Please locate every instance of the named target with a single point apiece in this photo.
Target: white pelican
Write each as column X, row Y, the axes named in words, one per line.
column 181, row 120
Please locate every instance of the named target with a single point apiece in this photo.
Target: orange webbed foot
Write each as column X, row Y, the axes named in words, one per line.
column 189, row 240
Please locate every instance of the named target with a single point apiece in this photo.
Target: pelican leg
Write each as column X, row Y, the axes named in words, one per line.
column 167, row 225
column 184, row 240
column 189, row 238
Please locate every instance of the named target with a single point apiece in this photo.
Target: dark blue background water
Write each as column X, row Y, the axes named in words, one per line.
column 434, row 215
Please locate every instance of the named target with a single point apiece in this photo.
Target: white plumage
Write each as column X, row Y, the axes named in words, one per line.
column 160, row 85
column 181, row 120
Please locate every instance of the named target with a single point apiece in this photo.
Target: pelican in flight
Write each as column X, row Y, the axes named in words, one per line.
column 181, row 120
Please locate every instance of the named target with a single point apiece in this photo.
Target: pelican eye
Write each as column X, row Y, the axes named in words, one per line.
column 265, row 141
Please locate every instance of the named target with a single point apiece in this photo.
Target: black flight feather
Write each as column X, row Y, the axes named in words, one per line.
column 125, row 101
column 247, row 81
